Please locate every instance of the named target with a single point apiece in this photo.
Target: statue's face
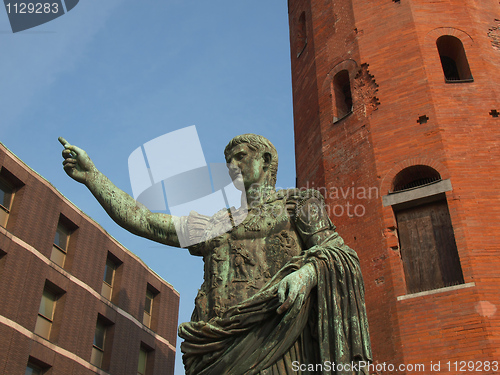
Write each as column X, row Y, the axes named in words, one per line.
column 246, row 166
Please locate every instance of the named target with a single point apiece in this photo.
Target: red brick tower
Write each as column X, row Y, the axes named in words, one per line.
column 396, row 106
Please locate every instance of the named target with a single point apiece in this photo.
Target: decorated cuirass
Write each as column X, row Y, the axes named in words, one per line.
column 242, row 260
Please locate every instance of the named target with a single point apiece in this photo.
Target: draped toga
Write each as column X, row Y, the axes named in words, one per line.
column 235, row 329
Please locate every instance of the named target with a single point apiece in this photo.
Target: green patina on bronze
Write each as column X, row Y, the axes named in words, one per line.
column 281, row 289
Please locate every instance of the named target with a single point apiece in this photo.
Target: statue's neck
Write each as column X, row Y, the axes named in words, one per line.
column 256, row 196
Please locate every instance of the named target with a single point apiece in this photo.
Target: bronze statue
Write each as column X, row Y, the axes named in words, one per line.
column 282, row 293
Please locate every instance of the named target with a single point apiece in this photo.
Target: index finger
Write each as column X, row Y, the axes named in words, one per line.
column 63, row 141
column 67, row 146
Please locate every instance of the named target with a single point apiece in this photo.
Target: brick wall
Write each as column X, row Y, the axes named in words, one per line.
column 389, row 49
column 26, row 245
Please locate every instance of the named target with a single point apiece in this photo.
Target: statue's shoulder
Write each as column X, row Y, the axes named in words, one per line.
column 297, row 196
column 307, row 208
column 297, row 199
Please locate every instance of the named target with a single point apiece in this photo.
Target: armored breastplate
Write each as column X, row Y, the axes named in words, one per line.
column 240, row 262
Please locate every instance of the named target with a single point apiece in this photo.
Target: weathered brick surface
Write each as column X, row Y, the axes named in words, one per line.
column 396, row 43
column 35, row 213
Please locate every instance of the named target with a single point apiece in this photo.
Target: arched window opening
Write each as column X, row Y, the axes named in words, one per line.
column 301, row 41
column 341, row 95
column 453, row 59
column 426, row 238
column 414, row 177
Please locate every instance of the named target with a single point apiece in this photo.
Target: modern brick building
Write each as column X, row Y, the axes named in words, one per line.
column 396, row 110
column 72, row 299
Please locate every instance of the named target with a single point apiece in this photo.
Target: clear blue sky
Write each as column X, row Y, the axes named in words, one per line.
column 113, row 74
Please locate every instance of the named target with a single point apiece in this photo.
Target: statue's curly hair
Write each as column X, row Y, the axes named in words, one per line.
column 257, row 142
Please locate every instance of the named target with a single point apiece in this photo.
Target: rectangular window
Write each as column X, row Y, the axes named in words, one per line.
column 36, row 367
column 60, row 247
column 109, row 278
column 32, row 369
column 98, row 346
column 341, row 96
column 143, row 359
column 148, row 308
column 428, row 248
column 6, row 197
column 46, row 313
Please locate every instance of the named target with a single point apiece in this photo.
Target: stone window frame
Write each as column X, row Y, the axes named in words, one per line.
column 418, row 196
column 391, row 227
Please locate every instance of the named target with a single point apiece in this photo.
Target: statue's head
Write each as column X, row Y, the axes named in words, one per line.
column 262, row 147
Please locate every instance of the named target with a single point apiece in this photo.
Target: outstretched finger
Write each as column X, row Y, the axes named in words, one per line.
column 63, row 141
column 67, row 146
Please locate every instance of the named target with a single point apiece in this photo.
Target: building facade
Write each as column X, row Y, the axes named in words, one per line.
column 396, row 112
column 72, row 299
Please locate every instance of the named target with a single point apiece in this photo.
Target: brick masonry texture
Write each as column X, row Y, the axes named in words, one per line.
column 32, row 224
column 392, row 46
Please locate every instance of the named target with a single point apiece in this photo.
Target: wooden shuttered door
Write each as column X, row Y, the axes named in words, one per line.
column 428, row 248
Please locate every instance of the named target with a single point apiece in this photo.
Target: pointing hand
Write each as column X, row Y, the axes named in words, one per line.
column 77, row 163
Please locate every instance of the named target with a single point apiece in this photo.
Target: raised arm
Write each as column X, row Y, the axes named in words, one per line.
column 120, row 206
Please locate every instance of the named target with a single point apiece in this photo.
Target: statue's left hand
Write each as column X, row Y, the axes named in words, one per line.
column 295, row 288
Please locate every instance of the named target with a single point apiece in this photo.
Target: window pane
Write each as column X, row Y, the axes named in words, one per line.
column 58, row 256
column 33, row 370
column 109, row 272
column 2, row 196
column 5, row 196
column 149, row 302
column 3, row 217
column 57, row 239
column 146, row 319
column 143, row 356
column 96, row 357
column 61, row 238
column 47, row 304
column 106, row 291
column 100, row 333
column 43, row 326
